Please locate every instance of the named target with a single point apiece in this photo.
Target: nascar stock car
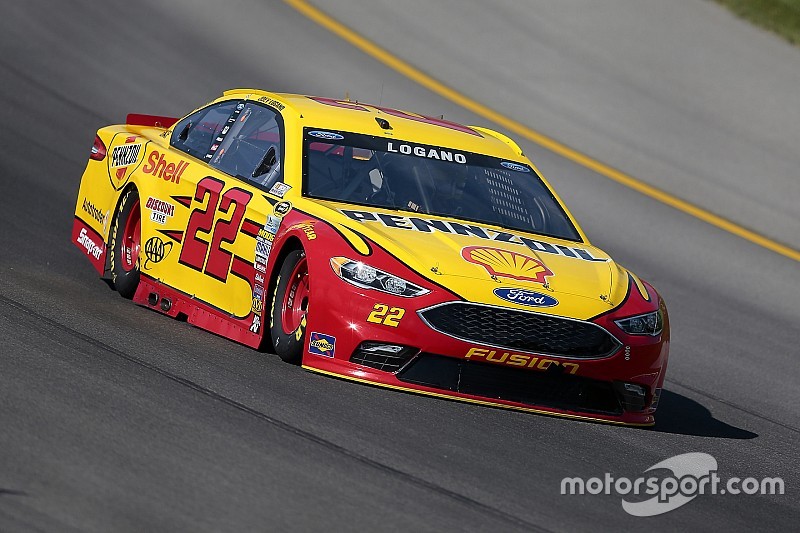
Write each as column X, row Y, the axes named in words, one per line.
column 375, row 245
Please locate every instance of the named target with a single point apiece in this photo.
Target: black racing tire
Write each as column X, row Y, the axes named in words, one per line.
column 289, row 308
column 126, row 245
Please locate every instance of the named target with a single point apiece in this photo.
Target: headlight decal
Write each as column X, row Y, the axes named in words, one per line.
column 366, row 276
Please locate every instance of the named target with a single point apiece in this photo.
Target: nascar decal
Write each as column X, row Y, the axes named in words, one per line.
column 525, row 297
column 159, row 210
column 502, row 263
column 519, row 359
column 322, row 344
column 426, row 225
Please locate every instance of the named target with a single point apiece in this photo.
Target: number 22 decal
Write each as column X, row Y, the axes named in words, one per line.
column 388, row 316
column 196, row 253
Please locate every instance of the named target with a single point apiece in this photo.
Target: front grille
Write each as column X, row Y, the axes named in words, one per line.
column 520, row 330
column 551, row 388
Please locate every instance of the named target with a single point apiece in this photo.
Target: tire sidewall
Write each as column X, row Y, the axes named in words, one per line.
column 125, row 282
column 288, row 346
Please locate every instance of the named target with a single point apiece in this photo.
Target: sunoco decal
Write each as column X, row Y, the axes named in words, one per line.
column 525, row 297
column 426, row 225
column 321, row 344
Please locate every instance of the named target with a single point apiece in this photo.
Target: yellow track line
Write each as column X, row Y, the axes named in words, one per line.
column 454, row 96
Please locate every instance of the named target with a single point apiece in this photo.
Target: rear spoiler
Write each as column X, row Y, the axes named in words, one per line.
column 135, row 119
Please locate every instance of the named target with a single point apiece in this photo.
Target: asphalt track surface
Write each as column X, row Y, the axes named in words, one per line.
column 115, row 418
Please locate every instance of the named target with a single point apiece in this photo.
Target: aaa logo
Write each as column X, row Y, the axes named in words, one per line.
column 155, row 250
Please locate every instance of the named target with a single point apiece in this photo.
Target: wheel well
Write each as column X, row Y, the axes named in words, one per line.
column 292, row 243
column 113, row 223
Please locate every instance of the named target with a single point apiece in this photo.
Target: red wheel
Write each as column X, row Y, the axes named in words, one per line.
column 295, row 300
column 290, row 304
column 126, row 236
column 131, row 239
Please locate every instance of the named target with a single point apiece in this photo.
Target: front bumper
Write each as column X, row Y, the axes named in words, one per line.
column 621, row 387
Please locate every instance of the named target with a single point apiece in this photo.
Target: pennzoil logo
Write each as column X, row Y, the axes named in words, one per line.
column 155, row 250
column 507, row 264
column 519, row 360
column 123, row 157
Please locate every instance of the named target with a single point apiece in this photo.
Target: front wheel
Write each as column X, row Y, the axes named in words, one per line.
column 126, row 239
column 290, row 307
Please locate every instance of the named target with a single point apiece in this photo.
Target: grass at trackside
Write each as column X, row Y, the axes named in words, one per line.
column 780, row 16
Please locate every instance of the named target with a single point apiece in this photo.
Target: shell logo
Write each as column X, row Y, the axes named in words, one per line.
column 506, row 264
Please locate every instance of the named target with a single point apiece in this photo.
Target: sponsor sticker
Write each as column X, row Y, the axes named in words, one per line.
column 160, row 167
column 256, row 325
column 91, row 247
column 279, row 189
column 525, row 297
column 507, row 264
column 155, row 250
column 322, row 344
column 94, row 212
column 159, row 210
column 515, row 166
column 327, row 135
column 428, row 225
column 125, row 155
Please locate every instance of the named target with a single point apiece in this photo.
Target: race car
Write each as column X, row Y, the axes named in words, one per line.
column 375, row 245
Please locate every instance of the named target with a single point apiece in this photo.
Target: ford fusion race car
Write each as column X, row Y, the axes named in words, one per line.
column 375, row 245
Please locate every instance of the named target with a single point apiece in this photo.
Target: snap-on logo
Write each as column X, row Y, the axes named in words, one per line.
column 91, row 247
column 524, row 297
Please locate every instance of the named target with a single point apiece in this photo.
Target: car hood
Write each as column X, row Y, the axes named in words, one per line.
column 488, row 265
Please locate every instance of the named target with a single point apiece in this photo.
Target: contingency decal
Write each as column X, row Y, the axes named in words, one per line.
column 426, row 225
column 506, row 264
column 322, row 344
column 160, row 210
column 264, row 240
column 279, row 189
column 155, row 250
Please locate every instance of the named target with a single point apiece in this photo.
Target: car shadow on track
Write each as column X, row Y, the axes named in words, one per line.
column 684, row 416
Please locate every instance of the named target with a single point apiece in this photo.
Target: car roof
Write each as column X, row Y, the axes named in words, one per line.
column 359, row 117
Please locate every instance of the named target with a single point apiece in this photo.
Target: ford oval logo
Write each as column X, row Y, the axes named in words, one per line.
column 515, row 166
column 523, row 297
column 326, row 135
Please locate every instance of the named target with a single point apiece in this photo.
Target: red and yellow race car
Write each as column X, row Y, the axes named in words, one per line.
column 375, row 245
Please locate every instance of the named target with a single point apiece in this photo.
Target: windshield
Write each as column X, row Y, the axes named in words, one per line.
column 418, row 178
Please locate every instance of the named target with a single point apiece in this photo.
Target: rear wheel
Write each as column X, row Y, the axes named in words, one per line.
column 290, row 307
column 126, row 237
